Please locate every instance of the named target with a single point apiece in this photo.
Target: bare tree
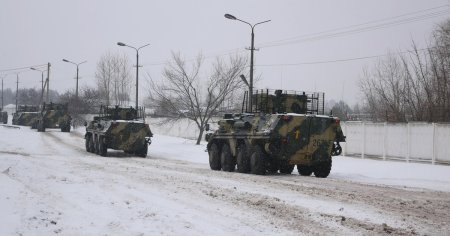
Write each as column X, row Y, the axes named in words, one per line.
column 114, row 78
column 413, row 86
column 186, row 92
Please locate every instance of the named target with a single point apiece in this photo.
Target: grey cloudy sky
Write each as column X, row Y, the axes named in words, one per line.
column 35, row 32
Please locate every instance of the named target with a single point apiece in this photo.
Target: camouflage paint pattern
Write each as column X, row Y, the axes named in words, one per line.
column 25, row 118
column 54, row 115
column 296, row 138
column 284, row 130
column 122, row 113
column 56, row 118
column 120, row 129
column 286, row 103
column 122, row 135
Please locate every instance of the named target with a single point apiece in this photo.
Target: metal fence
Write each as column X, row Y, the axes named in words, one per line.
column 419, row 142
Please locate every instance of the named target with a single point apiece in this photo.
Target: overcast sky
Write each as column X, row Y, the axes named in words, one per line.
column 34, row 32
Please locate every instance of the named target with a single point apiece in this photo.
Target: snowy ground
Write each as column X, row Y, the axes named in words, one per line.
column 50, row 185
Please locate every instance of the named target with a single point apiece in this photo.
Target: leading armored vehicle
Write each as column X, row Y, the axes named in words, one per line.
column 283, row 129
column 118, row 128
column 25, row 115
column 53, row 116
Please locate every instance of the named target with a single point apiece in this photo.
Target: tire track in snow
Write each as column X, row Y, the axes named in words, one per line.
column 421, row 211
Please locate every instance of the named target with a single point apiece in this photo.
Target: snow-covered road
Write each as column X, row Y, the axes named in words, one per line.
column 50, row 185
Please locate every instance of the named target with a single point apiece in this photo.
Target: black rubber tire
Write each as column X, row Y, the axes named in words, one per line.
column 143, row 151
column 304, row 170
column 214, row 156
column 258, row 161
column 242, row 159
column 286, row 168
column 65, row 128
column 226, row 159
column 91, row 144
column 96, row 145
column 87, row 141
column 323, row 169
column 103, row 148
column 40, row 127
column 273, row 166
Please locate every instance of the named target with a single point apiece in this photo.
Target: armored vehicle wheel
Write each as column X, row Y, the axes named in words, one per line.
column 258, row 161
column 91, row 144
column 323, row 169
column 286, row 168
column 40, row 127
column 103, row 148
column 242, row 159
column 143, row 151
column 273, row 166
column 96, row 145
column 226, row 159
column 214, row 157
column 87, row 141
column 65, row 128
column 304, row 170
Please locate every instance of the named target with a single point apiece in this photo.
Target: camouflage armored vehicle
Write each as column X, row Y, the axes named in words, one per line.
column 118, row 128
column 53, row 116
column 25, row 115
column 4, row 117
column 284, row 129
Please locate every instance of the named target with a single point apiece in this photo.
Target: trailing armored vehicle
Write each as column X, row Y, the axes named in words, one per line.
column 118, row 128
column 282, row 130
column 4, row 117
column 53, row 116
column 25, row 115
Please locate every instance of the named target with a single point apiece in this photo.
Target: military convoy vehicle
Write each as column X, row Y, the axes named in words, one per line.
column 283, row 129
column 53, row 116
column 25, row 115
column 4, row 117
column 118, row 128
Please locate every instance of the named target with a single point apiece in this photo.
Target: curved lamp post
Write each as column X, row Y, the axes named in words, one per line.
column 77, row 64
column 137, row 67
column 252, row 48
column 42, row 82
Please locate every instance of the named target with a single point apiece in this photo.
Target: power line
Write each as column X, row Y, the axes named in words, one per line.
column 343, row 31
column 23, row 68
column 340, row 60
column 211, row 55
column 322, row 35
column 358, row 25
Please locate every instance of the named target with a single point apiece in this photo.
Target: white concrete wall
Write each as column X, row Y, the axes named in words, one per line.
column 407, row 141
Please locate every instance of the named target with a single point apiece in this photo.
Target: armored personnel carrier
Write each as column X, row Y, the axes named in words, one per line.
column 53, row 116
column 283, row 129
column 4, row 117
column 25, row 115
column 118, row 128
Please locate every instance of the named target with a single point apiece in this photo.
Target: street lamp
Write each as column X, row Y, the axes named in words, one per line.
column 42, row 82
column 137, row 66
column 252, row 48
column 77, row 64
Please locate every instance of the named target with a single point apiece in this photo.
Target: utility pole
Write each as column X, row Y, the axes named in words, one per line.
column 252, row 49
column 42, row 83
column 77, row 64
column 2, row 95
column 48, row 80
column 137, row 68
